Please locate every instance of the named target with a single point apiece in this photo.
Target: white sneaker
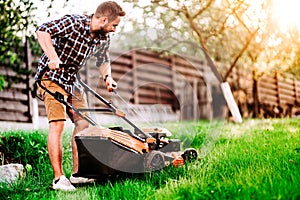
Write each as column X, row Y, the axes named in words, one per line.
column 63, row 184
column 79, row 180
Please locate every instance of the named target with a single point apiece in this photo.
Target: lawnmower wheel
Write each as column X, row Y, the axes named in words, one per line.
column 190, row 154
column 154, row 160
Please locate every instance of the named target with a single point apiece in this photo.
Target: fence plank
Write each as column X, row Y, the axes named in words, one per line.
column 13, row 116
column 297, row 90
column 285, row 85
column 267, row 91
column 13, row 106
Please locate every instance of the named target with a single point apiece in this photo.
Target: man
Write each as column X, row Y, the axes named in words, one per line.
column 72, row 40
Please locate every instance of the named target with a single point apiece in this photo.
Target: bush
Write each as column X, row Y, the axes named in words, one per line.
column 24, row 148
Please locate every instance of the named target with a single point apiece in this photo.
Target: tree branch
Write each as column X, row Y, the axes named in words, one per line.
column 240, row 54
column 203, row 9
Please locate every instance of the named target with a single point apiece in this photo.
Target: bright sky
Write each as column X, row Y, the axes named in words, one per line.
column 287, row 13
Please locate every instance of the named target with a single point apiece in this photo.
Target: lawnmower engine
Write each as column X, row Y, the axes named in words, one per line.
column 110, row 151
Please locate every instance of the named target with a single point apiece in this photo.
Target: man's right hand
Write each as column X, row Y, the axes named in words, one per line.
column 54, row 64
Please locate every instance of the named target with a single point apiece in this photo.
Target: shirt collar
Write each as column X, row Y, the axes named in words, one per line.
column 87, row 23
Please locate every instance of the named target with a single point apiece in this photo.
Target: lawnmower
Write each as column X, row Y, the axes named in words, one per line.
column 105, row 151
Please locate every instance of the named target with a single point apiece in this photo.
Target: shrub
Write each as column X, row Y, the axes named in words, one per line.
column 23, row 147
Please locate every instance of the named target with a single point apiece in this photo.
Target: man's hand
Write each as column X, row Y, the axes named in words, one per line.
column 54, row 64
column 111, row 85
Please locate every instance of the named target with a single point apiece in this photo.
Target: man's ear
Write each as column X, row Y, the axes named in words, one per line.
column 104, row 20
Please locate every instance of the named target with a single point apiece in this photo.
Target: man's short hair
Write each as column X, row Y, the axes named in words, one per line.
column 109, row 9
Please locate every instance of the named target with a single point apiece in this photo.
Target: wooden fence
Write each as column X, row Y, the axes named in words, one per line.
column 144, row 77
column 277, row 96
column 267, row 95
column 182, row 84
column 15, row 100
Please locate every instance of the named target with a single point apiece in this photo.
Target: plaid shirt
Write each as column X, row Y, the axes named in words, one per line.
column 73, row 43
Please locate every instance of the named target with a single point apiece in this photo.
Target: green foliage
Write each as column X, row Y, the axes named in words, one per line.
column 35, row 48
column 2, row 82
column 14, row 22
column 294, row 66
column 258, row 159
column 23, row 147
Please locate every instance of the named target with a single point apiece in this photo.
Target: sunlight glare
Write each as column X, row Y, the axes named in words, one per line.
column 287, row 13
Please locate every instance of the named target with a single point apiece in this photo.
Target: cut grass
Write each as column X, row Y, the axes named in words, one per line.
column 258, row 159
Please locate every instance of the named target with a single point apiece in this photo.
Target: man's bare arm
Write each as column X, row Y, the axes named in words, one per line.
column 105, row 69
column 45, row 42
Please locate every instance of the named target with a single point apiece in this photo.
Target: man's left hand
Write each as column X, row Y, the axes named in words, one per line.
column 111, row 85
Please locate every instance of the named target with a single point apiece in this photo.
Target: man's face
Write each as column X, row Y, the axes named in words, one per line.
column 111, row 27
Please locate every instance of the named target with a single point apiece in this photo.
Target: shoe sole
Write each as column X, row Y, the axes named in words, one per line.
column 59, row 189
column 82, row 182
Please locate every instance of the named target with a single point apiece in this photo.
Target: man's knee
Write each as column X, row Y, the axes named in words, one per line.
column 81, row 124
column 57, row 125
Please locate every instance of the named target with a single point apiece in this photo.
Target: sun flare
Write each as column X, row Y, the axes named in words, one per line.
column 287, row 13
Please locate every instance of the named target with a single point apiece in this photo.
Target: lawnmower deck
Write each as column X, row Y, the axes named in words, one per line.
column 102, row 151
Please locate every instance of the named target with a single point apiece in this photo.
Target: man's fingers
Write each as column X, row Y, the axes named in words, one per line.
column 54, row 64
column 111, row 85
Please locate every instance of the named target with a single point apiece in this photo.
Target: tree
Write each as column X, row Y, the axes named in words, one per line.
column 17, row 25
column 232, row 31
column 14, row 22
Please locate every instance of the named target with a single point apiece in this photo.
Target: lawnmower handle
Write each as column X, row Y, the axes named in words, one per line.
column 89, row 89
column 45, row 69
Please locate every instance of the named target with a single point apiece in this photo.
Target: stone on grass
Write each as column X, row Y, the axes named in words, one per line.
column 11, row 173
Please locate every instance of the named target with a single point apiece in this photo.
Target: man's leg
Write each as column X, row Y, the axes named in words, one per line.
column 55, row 147
column 79, row 126
column 75, row 177
column 56, row 113
column 55, row 151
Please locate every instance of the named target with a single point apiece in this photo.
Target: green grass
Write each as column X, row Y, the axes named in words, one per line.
column 258, row 159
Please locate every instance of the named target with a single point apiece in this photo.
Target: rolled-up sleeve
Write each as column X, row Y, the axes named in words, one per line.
column 61, row 27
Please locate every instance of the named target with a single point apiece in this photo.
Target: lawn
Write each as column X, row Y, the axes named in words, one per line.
column 258, row 159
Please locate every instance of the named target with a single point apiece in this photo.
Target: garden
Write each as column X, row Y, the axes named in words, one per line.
column 258, row 159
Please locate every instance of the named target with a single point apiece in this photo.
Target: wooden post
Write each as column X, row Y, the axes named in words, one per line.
column 277, row 88
column 195, row 99
column 231, row 102
column 255, row 95
column 135, row 77
column 174, row 83
column 296, row 91
column 35, row 113
column 28, row 61
column 173, row 74
column 209, row 107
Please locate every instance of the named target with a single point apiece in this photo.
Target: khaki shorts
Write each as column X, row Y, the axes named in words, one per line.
column 57, row 111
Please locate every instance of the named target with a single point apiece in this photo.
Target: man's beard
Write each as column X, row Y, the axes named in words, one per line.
column 103, row 31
